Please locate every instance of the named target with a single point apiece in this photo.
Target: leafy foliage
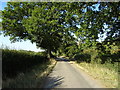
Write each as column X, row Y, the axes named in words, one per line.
column 83, row 58
column 72, row 29
column 58, row 27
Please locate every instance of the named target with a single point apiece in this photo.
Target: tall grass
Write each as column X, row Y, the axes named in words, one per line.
column 101, row 65
column 17, row 61
column 107, row 73
column 24, row 69
column 32, row 79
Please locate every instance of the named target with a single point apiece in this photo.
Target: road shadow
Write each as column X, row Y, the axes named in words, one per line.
column 62, row 59
column 52, row 82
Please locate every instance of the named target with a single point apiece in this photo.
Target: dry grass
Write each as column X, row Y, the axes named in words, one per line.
column 32, row 79
column 106, row 73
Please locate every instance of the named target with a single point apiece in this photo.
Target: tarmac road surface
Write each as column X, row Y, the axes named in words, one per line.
column 68, row 75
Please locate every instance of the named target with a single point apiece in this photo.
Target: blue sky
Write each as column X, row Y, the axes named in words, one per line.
column 25, row 45
column 4, row 41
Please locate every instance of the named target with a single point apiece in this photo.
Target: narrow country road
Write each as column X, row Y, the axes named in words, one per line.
column 68, row 75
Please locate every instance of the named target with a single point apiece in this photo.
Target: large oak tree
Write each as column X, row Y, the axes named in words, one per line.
column 51, row 24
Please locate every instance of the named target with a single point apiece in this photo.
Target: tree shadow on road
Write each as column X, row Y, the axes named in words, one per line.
column 62, row 59
column 53, row 82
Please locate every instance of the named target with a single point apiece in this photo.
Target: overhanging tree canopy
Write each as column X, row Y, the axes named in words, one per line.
column 51, row 24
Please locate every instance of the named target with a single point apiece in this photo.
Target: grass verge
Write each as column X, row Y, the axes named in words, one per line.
column 31, row 79
column 107, row 74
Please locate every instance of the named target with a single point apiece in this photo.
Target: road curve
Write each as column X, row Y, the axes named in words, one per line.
column 67, row 75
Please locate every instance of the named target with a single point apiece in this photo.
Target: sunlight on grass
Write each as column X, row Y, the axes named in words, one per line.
column 32, row 79
column 106, row 73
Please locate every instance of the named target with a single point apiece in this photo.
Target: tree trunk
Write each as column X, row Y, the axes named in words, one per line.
column 49, row 53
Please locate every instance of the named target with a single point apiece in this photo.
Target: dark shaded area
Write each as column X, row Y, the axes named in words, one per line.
column 104, row 58
column 62, row 59
column 110, row 58
column 15, row 62
column 53, row 82
column 83, row 58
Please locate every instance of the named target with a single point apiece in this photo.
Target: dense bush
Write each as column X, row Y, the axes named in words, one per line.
column 98, row 56
column 82, row 57
column 110, row 58
column 16, row 61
